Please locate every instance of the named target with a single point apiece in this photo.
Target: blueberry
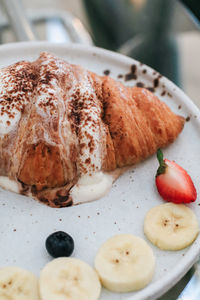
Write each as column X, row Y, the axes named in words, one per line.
column 59, row 244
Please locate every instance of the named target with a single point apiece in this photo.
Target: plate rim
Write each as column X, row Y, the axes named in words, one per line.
column 162, row 285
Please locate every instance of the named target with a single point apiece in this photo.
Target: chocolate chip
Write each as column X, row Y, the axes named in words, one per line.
column 133, row 69
column 151, row 89
column 187, row 119
column 106, row 72
column 140, row 84
column 156, row 82
column 170, row 95
column 163, row 93
column 130, row 76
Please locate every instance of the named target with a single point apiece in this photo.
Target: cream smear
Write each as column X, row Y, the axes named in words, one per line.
column 96, row 186
column 9, row 184
column 88, row 188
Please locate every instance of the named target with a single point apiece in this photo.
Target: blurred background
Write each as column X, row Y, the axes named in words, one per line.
column 164, row 34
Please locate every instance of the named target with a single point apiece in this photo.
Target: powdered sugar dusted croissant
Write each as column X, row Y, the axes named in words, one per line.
column 61, row 124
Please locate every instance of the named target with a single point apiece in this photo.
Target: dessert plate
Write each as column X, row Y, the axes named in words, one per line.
column 25, row 223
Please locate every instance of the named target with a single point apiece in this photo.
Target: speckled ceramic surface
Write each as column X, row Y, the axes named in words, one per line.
column 25, row 223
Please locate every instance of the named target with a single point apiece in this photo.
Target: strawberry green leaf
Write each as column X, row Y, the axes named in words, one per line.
column 162, row 167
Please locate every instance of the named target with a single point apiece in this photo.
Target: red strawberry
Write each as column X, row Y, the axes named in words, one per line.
column 173, row 182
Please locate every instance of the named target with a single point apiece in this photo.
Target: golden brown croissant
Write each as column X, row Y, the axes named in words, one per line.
column 60, row 122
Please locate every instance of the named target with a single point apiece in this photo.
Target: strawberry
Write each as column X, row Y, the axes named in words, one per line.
column 173, row 182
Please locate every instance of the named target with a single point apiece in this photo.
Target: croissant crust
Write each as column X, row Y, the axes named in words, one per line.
column 59, row 122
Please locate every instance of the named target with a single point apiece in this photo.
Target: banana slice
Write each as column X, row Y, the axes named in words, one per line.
column 18, row 284
column 171, row 226
column 70, row 279
column 125, row 263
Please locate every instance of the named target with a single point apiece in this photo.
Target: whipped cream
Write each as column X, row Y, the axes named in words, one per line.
column 15, row 93
column 9, row 184
column 8, row 124
column 82, row 94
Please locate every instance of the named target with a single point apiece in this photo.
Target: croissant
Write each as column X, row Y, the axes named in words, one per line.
column 59, row 123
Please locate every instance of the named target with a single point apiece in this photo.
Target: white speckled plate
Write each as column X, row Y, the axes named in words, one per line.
column 25, row 223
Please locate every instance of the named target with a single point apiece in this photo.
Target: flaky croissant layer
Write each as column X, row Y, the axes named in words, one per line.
column 59, row 122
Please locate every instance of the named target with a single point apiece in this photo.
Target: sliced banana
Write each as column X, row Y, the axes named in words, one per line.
column 18, row 284
column 70, row 279
column 171, row 226
column 125, row 263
